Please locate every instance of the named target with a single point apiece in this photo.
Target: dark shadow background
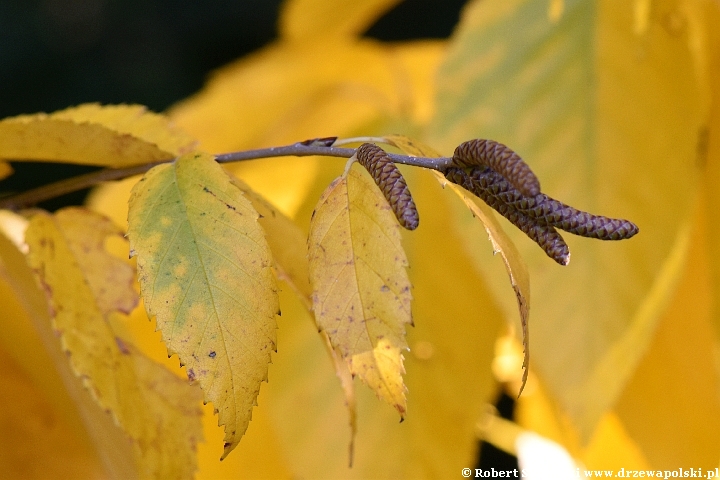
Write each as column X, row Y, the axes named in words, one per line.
column 58, row 53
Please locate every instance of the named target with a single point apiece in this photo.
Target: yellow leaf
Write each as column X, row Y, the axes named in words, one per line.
column 361, row 291
column 288, row 246
column 673, row 394
column 302, row 19
column 27, row 328
column 286, row 93
column 514, row 265
column 291, row 91
column 109, row 278
column 456, row 322
column 205, row 272
column 42, row 426
column 410, row 146
column 35, row 440
column 611, row 448
column 268, row 98
column 286, row 241
column 415, row 65
column 65, row 250
column 712, row 167
column 382, row 369
column 111, row 199
column 289, row 249
column 110, row 136
column 576, row 96
column 501, row 243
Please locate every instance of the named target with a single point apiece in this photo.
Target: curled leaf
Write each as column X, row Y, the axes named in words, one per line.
column 501, row 243
column 391, row 182
column 514, row 265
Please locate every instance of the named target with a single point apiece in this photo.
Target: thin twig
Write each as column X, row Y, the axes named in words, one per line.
column 52, row 190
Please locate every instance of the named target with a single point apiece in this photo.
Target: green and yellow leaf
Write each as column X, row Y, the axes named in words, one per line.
column 91, row 134
column 205, row 270
column 87, row 288
column 361, row 291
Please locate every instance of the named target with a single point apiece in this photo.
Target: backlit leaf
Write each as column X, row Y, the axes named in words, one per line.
column 35, row 439
column 576, row 95
column 205, row 272
column 86, row 289
column 27, row 327
column 673, row 393
column 43, row 400
column 361, row 291
column 90, row 134
column 291, row 91
column 709, row 156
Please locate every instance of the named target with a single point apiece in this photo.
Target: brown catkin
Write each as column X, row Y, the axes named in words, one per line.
column 545, row 236
column 552, row 212
column 488, row 153
column 391, row 182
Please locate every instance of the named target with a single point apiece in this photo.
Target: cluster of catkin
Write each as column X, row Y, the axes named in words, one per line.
column 498, row 176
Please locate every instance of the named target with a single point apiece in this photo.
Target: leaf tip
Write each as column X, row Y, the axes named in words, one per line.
column 524, row 380
column 227, row 448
